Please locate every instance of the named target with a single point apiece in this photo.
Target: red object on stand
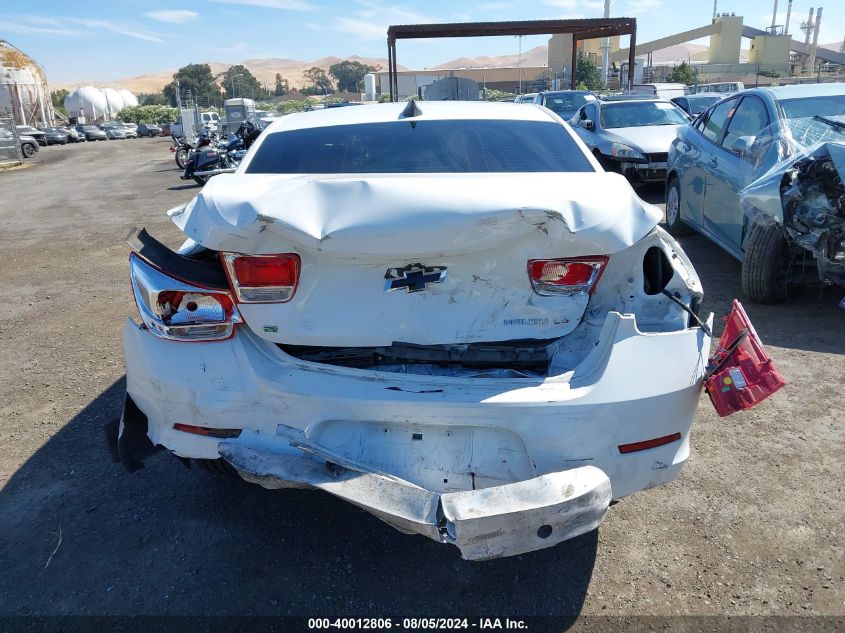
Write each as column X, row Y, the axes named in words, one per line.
column 740, row 374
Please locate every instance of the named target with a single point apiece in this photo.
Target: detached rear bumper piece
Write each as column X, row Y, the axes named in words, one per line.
column 489, row 523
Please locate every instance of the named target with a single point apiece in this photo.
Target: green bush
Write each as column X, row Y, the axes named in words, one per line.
column 148, row 114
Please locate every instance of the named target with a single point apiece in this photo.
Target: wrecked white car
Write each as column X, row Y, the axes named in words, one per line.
column 446, row 314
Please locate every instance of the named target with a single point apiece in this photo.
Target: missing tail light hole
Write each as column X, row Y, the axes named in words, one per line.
column 544, row 531
column 657, row 271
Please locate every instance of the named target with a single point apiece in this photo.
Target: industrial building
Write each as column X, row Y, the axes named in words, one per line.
column 24, row 94
column 772, row 51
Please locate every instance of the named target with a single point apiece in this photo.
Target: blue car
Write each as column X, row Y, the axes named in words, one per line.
column 713, row 161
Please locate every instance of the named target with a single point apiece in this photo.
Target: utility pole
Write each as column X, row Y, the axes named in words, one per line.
column 605, row 47
column 774, row 16
column 519, row 64
column 811, row 60
column 788, row 15
column 714, row 9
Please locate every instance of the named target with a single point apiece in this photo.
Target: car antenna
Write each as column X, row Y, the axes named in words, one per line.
column 411, row 110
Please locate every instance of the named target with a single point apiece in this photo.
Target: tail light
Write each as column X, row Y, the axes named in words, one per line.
column 263, row 278
column 176, row 310
column 565, row 276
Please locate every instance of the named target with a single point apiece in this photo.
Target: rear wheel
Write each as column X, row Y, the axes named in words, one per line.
column 674, row 224
column 765, row 263
column 28, row 150
column 217, row 467
column 201, row 180
column 181, row 158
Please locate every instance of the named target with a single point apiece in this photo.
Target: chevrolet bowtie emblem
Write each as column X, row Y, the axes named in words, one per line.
column 413, row 277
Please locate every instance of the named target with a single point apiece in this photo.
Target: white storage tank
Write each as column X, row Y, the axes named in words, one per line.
column 129, row 100
column 114, row 102
column 369, row 87
column 88, row 100
column 23, row 88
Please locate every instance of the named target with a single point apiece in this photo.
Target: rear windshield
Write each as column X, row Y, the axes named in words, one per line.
column 566, row 101
column 638, row 114
column 461, row 146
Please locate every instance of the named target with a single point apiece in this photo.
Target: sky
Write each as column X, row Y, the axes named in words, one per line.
column 104, row 41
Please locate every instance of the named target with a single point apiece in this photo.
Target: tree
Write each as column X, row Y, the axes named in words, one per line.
column 587, row 73
column 237, row 81
column 318, row 78
column 58, row 99
column 195, row 80
column 282, row 86
column 683, row 74
column 152, row 98
column 349, row 74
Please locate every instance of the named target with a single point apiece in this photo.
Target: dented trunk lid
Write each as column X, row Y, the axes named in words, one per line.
column 352, row 232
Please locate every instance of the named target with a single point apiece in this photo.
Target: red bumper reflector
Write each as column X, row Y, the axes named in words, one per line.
column 207, row 431
column 646, row 444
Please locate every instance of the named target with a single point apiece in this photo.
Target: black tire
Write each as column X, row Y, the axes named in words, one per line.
column 674, row 224
column 181, row 157
column 765, row 263
column 201, row 180
column 28, row 150
column 218, row 467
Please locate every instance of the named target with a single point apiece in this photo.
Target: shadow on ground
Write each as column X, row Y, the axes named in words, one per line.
column 171, row 541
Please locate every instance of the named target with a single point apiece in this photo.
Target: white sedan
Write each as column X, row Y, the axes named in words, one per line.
column 444, row 313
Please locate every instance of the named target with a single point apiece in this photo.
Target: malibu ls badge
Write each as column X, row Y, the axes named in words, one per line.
column 413, row 277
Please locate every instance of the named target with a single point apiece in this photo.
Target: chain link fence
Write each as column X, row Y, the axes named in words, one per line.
column 10, row 149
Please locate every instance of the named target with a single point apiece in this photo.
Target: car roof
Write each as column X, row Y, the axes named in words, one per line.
column 804, row 90
column 431, row 111
column 627, row 98
column 567, row 92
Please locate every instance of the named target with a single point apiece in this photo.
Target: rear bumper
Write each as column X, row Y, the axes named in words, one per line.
column 489, row 523
column 488, row 464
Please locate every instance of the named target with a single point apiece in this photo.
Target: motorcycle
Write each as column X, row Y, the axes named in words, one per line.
column 182, row 150
column 209, row 160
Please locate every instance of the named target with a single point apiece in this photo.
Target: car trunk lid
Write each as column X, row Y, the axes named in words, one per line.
column 356, row 235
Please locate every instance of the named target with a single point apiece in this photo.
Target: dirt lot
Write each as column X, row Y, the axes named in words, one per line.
column 753, row 526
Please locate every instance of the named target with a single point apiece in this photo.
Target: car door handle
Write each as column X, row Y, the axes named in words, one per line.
column 714, row 162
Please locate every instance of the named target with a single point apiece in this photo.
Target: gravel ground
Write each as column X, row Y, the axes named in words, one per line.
column 753, row 526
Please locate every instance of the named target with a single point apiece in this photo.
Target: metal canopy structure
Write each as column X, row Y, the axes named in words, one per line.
column 579, row 29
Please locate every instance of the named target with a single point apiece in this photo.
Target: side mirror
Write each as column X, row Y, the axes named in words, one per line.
column 742, row 145
column 588, row 124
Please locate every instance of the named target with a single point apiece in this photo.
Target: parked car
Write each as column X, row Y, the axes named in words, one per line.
column 114, row 131
column 149, row 130
column 92, row 133
column 630, row 137
column 28, row 130
column 130, row 129
column 55, row 135
column 722, row 87
column 526, row 98
column 661, row 90
column 166, row 130
column 713, row 163
column 456, row 321
column 564, row 103
column 28, row 145
column 696, row 104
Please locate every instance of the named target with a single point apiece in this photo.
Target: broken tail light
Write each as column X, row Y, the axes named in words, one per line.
column 565, row 276
column 176, row 310
column 263, row 278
